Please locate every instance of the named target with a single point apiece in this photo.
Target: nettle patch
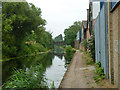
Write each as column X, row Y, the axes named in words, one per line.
column 99, row 71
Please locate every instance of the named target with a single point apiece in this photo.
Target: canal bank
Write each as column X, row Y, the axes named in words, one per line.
column 51, row 63
column 80, row 75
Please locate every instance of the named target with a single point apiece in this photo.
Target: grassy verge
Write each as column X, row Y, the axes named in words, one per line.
column 32, row 77
column 86, row 56
column 69, row 54
column 7, row 59
column 99, row 71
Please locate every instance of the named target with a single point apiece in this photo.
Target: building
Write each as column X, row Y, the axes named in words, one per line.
column 83, row 34
column 101, row 39
column 107, row 40
column 114, row 41
column 78, row 39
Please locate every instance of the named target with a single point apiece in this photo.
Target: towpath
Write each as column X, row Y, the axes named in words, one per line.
column 80, row 75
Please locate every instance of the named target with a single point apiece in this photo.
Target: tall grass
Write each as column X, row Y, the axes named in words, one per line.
column 32, row 77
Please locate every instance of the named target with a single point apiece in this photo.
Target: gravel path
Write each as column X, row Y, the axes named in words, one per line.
column 80, row 75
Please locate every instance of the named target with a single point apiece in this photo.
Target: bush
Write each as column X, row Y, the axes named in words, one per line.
column 63, row 46
column 85, row 44
column 69, row 53
column 32, row 77
column 91, row 46
column 99, row 71
column 69, row 50
column 89, row 62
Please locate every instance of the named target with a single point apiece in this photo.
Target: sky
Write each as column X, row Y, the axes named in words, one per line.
column 60, row 14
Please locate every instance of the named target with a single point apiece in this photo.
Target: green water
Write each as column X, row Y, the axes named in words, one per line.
column 54, row 66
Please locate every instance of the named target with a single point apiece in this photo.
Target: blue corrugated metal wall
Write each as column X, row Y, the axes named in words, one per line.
column 80, row 36
column 101, row 39
column 114, row 3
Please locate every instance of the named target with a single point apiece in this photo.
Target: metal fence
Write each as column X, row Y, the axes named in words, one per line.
column 101, row 39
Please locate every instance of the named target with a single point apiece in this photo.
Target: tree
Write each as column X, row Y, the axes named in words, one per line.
column 20, row 20
column 71, row 33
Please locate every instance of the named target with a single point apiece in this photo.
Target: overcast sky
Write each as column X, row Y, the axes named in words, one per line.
column 60, row 14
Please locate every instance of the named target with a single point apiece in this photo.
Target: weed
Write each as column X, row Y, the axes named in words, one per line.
column 88, row 83
column 52, row 85
column 99, row 71
column 32, row 77
column 81, row 50
column 90, row 62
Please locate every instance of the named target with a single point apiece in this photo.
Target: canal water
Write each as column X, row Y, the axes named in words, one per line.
column 54, row 66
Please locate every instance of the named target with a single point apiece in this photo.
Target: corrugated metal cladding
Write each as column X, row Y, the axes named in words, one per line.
column 80, row 36
column 114, row 3
column 101, row 39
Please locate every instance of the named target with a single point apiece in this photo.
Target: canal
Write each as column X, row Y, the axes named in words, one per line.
column 54, row 66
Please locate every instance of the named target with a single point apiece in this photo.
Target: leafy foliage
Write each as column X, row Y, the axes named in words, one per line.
column 85, row 44
column 30, row 78
column 89, row 62
column 91, row 46
column 71, row 33
column 69, row 53
column 99, row 71
column 23, row 30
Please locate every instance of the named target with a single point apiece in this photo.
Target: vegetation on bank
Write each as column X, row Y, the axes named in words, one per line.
column 71, row 33
column 69, row 53
column 27, row 70
column 23, row 34
column 99, row 71
column 90, row 45
column 90, row 48
column 23, row 30
column 86, row 56
column 32, row 77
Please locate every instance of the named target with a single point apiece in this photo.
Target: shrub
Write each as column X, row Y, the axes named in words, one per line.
column 85, row 44
column 99, row 71
column 32, row 77
column 69, row 53
column 69, row 50
column 91, row 46
column 63, row 46
column 89, row 62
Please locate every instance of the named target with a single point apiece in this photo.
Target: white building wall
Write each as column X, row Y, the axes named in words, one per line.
column 95, row 9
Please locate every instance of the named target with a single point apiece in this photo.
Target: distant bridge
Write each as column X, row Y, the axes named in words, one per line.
column 59, row 43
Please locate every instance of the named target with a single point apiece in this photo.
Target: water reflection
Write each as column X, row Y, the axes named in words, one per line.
column 54, row 65
column 25, row 62
column 56, row 71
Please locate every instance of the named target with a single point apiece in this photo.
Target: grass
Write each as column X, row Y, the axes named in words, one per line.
column 86, row 56
column 32, row 77
column 92, row 87
column 99, row 71
column 90, row 62
column 81, row 50
column 88, row 83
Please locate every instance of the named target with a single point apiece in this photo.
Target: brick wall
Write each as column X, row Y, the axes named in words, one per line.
column 114, row 45
column 110, row 45
column 119, row 46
